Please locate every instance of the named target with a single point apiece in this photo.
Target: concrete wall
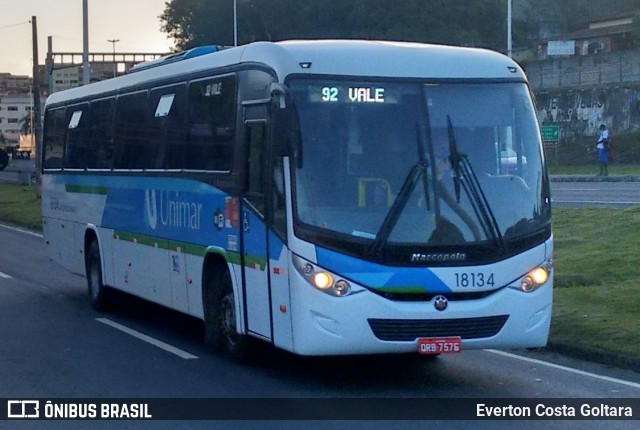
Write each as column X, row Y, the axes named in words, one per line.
column 579, row 93
column 614, row 68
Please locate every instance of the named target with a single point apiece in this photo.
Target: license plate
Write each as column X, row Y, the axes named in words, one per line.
column 439, row 345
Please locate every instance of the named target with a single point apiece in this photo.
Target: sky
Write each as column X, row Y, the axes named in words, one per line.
column 134, row 22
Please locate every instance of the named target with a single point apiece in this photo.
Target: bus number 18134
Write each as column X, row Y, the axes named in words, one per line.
column 474, row 280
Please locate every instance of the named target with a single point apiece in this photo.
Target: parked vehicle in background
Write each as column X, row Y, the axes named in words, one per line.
column 509, row 161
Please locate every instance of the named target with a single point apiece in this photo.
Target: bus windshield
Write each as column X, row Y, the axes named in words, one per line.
column 444, row 166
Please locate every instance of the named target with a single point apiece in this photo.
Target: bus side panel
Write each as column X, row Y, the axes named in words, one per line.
column 105, row 240
column 187, row 291
column 280, row 293
column 65, row 240
column 140, row 266
column 181, row 275
column 68, row 207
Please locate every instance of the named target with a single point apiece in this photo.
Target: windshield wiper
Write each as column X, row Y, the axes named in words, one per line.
column 463, row 174
column 422, row 156
column 417, row 172
column 410, row 183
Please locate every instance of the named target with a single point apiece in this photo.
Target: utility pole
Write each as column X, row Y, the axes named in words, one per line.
column 115, row 65
column 509, row 42
column 48, row 63
column 86, row 68
column 235, row 23
column 36, row 124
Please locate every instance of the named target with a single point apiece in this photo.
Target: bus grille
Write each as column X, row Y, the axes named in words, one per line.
column 410, row 330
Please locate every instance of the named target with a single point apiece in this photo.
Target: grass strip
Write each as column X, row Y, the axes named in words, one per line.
column 20, row 205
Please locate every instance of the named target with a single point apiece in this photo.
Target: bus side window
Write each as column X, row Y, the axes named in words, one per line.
column 101, row 152
column 77, row 144
column 212, row 108
column 167, row 134
column 133, row 150
column 255, row 173
column 54, row 138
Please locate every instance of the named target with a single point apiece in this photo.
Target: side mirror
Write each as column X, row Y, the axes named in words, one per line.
column 284, row 124
column 282, row 130
column 279, row 95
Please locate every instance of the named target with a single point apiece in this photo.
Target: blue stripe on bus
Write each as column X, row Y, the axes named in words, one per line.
column 168, row 208
column 174, row 209
column 377, row 276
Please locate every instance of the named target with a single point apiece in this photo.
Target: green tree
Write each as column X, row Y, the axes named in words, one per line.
column 198, row 22
column 460, row 22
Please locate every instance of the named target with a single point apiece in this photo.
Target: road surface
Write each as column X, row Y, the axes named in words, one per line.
column 54, row 345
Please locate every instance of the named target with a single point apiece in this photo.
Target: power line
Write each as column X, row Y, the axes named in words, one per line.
column 14, row 25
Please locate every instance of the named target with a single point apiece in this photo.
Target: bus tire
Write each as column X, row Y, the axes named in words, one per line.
column 220, row 320
column 98, row 293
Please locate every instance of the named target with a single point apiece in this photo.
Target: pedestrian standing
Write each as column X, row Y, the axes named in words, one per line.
column 603, row 150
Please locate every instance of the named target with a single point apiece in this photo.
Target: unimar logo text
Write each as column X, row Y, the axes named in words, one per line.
column 171, row 210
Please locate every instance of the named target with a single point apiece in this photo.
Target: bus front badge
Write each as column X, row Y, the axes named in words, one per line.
column 440, row 303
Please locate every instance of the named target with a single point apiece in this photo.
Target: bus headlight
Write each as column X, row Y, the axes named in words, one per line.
column 535, row 278
column 321, row 279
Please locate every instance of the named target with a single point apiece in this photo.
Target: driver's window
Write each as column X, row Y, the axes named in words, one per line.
column 255, row 177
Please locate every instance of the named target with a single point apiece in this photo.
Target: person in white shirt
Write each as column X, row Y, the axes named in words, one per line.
column 603, row 150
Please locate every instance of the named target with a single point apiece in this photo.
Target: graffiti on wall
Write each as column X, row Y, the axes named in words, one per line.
column 580, row 113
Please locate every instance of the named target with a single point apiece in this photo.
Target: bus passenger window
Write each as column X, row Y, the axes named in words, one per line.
column 101, row 152
column 212, row 107
column 77, row 148
column 133, row 150
column 168, row 128
column 54, row 138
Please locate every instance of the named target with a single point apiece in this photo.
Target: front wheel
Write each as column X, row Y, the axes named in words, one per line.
column 97, row 291
column 221, row 332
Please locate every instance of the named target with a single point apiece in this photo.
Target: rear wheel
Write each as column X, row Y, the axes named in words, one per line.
column 97, row 291
column 221, row 332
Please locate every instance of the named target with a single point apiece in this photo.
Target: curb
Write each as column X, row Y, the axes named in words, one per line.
column 594, row 178
column 612, row 359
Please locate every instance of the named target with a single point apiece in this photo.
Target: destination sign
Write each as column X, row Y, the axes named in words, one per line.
column 350, row 94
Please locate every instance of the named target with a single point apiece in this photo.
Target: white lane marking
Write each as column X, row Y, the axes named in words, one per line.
column 5, row 276
column 172, row 349
column 20, row 230
column 566, row 369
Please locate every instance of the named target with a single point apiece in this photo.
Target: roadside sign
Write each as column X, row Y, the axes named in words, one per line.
column 550, row 135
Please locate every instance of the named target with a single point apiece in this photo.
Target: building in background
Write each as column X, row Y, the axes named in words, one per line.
column 601, row 35
column 16, row 109
column 63, row 79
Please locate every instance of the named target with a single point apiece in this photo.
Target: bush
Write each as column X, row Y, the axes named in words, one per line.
column 581, row 150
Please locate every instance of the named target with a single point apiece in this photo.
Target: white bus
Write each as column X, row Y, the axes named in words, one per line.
column 327, row 197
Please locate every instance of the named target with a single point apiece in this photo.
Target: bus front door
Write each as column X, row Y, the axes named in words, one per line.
column 253, row 223
column 263, row 226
